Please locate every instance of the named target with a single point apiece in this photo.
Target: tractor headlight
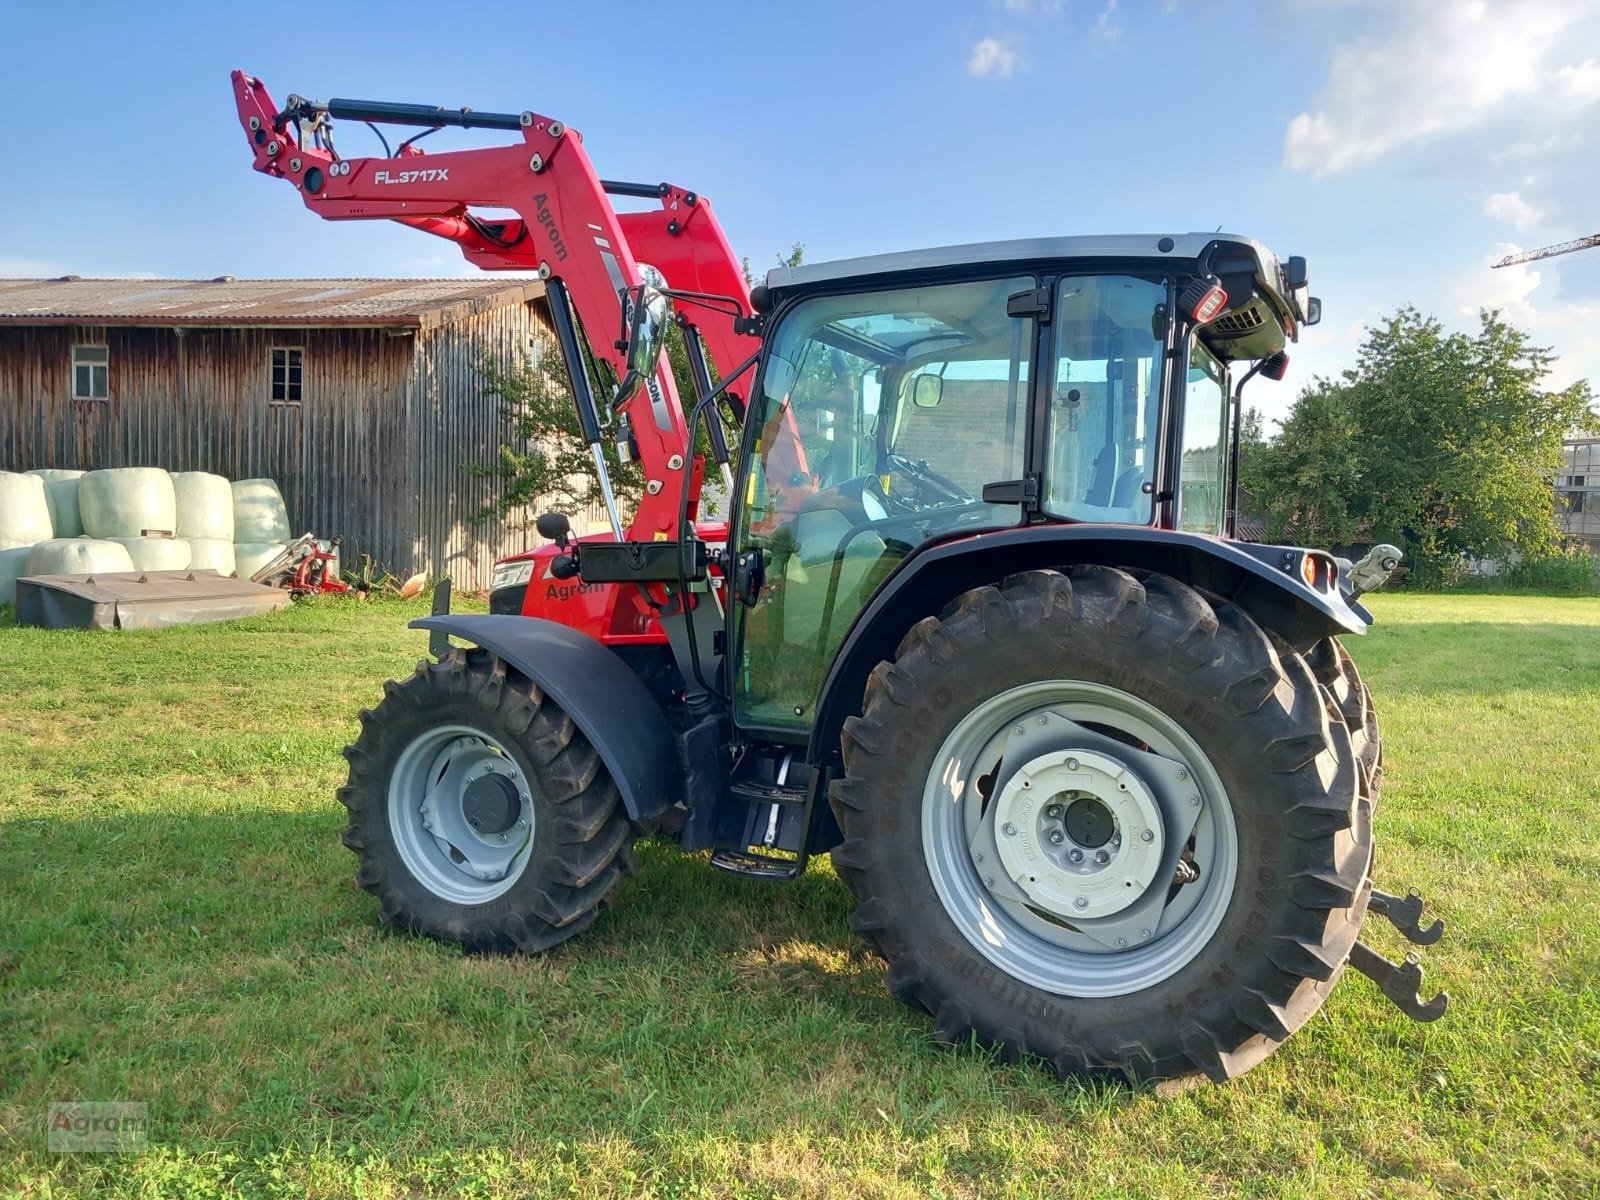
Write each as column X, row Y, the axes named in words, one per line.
column 511, row 573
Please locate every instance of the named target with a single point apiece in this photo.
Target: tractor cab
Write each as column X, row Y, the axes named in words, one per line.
column 943, row 394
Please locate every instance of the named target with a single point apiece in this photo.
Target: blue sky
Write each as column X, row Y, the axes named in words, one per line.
column 1401, row 146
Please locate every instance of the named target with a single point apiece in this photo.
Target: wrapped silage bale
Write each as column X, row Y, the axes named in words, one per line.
column 24, row 511
column 259, row 514
column 61, row 495
column 209, row 554
column 13, row 562
column 78, row 556
column 205, row 506
column 250, row 557
column 126, row 502
column 155, row 553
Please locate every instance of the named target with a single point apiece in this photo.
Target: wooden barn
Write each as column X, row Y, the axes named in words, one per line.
column 359, row 396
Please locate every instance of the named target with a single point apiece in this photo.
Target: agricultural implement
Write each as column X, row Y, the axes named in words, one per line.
column 1100, row 777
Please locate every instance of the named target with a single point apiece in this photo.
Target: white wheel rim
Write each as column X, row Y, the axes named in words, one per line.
column 1029, row 927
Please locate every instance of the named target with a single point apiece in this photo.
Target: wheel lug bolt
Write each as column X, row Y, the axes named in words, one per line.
column 988, row 881
column 1075, row 856
column 1081, row 902
column 977, row 858
column 1009, row 830
column 1101, row 857
column 522, row 824
column 1072, row 764
column 1147, row 836
column 1194, row 801
column 1057, row 837
column 1183, row 774
column 1144, row 935
column 1054, row 812
column 502, row 839
column 1122, row 942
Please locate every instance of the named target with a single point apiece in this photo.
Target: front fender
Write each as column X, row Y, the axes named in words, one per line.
column 599, row 691
column 1260, row 579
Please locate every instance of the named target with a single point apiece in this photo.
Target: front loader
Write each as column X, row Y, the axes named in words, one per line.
column 1100, row 777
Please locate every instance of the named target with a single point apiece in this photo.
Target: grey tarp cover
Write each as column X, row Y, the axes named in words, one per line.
column 140, row 599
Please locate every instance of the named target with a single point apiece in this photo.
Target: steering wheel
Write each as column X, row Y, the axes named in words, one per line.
column 926, row 478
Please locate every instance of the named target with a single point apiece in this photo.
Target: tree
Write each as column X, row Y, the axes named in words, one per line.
column 545, row 463
column 1446, row 444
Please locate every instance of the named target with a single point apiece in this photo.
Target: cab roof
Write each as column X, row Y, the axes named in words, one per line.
column 1178, row 246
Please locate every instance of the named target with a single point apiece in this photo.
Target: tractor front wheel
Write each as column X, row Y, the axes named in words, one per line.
column 1096, row 817
column 479, row 812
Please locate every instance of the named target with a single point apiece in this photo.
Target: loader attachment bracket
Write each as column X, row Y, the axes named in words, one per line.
column 1401, row 982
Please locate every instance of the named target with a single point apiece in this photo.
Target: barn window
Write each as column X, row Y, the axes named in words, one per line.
column 91, row 368
column 287, row 365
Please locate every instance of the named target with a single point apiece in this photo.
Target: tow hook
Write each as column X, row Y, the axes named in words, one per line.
column 1405, row 914
column 1401, row 982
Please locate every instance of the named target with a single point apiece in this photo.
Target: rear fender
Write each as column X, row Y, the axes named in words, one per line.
column 1262, row 580
column 599, row 691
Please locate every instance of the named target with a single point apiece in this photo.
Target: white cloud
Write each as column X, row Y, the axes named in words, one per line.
column 1107, row 27
column 1434, row 68
column 1522, row 297
column 30, row 268
column 1514, row 209
column 991, row 56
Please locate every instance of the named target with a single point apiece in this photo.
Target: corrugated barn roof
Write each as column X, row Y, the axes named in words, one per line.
column 403, row 303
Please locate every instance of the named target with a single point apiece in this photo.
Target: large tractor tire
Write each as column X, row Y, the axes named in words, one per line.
column 1331, row 663
column 1095, row 817
column 480, row 814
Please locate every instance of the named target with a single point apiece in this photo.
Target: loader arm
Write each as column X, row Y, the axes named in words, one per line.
column 566, row 229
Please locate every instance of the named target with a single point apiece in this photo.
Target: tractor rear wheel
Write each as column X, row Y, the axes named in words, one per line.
column 479, row 812
column 1095, row 817
column 1331, row 663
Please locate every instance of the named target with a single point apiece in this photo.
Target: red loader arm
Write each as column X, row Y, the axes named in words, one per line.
column 567, row 230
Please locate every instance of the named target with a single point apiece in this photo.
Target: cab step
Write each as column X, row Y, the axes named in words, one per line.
column 757, row 866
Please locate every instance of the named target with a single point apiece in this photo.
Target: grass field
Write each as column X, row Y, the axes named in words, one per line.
column 179, row 925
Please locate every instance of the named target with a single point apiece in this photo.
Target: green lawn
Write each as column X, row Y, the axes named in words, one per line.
column 179, row 925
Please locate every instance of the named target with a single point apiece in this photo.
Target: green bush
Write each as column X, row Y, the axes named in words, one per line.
column 1570, row 571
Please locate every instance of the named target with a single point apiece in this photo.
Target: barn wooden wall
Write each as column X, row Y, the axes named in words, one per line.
column 375, row 452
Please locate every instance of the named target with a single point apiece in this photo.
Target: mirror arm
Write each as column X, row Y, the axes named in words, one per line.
column 1233, row 448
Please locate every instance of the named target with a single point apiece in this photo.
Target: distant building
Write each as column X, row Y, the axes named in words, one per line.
column 1578, row 491
column 359, row 396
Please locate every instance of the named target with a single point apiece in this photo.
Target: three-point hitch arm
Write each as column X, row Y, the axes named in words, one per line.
column 566, row 229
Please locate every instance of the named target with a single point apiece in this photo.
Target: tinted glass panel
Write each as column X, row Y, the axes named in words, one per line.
column 1105, row 398
column 882, row 416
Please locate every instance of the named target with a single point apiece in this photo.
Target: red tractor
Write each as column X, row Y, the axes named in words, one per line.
column 1100, row 777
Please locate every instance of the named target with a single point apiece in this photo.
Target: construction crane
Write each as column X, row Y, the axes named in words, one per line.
column 1582, row 243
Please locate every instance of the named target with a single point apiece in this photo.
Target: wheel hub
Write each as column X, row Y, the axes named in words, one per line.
column 491, row 804
column 1079, row 833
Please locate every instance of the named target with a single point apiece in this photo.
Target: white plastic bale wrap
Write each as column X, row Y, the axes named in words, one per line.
column 24, row 511
column 13, row 562
column 61, row 495
column 155, row 553
column 125, row 501
column 78, row 556
column 259, row 514
column 208, row 554
column 250, row 557
column 205, row 506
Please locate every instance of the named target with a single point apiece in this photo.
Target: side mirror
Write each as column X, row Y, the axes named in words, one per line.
column 1313, row 311
column 646, row 315
column 555, row 527
column 1295, row 273
column 927, row 391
